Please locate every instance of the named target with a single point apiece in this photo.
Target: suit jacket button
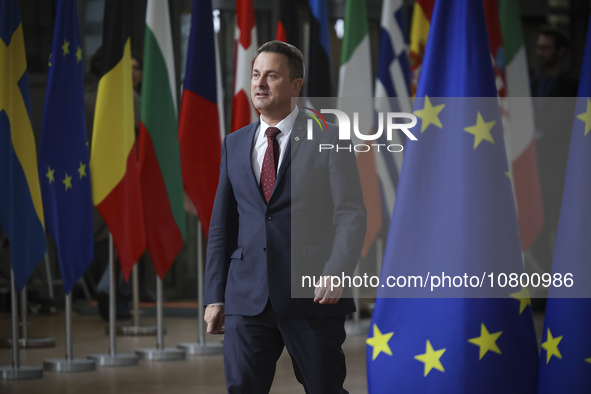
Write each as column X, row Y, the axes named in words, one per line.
column 268, row 217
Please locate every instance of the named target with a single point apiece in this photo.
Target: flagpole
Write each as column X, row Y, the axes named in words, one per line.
column 16, row 371
column 160, row 353
column 201, row 346
column 136, row 329
column 112, row 359
column 69, row 364
column 25, row 342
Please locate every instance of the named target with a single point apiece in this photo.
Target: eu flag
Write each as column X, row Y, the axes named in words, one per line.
column 21, row 209
column 454, row 213
column 63, row 153
column 565, row 362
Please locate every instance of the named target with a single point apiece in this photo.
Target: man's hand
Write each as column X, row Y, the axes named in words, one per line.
column 214, row 317
column 324, row 294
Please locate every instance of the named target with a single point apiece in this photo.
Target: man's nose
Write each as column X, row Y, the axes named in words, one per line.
column 262, row 81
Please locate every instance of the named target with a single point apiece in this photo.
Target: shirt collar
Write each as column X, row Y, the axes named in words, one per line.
column 286, row 124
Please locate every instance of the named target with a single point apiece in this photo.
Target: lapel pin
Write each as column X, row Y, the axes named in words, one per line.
column 297, row 138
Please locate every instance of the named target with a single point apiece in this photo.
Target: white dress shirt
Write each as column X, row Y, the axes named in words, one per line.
column 260, row 142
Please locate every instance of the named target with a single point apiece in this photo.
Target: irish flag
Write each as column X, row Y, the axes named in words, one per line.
column 160, row 163
column 113, row 158
column 355, row 81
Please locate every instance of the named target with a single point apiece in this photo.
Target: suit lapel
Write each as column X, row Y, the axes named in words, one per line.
column 293, row 144
column 247, row 159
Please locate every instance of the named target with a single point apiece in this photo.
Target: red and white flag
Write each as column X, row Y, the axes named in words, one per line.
column 512, row 79
column 243, row 112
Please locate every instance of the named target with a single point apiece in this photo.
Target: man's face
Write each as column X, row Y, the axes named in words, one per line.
column 271, row 89
column 547, row 53
column 136, row 73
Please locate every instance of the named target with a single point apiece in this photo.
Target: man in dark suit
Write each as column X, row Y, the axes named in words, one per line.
column 282, row 210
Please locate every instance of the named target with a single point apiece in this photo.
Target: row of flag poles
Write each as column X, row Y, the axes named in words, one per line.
column 138, row 184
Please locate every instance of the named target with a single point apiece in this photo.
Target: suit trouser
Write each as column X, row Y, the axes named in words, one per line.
column 252, row 345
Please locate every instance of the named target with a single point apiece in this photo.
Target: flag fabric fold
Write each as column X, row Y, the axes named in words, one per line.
column 116, row 190
column 201, row 122
column 392, row 92
column 287, row 25
column 355, row 81
column 63, row 152
column 243, row 112
column 519, row 124
column 318, row 69
column 454, row 211
column 419, row 31
column 21, row 207
column 566, row 346
column 159, row 156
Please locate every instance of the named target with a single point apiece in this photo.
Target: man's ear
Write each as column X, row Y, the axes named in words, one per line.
column 296, row 86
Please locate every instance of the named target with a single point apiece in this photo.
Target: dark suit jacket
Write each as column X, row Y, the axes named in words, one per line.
column 314, row 221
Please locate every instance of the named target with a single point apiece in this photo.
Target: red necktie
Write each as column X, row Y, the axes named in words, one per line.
column 269, row 169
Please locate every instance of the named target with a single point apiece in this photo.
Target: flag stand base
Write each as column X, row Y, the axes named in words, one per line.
column 118, row 360
column 72, row 365
column 29, row 343
column 136, row 331
column 22, row 372
column 211, row 348
column 169, row 354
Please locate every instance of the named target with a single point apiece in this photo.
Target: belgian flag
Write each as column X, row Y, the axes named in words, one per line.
column 287, row 25
column 113, row 160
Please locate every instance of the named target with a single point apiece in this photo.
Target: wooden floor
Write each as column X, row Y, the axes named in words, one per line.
column 197, row 374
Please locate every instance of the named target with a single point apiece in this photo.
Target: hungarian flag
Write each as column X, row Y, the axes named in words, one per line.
column 419, row 31
column 287, row 25
column 318, row 70
column 243, row 112
column 201, row 126
column 113, row 159
column 355, row 81
column 21, row 209
column 522, row 152
column 160, row 163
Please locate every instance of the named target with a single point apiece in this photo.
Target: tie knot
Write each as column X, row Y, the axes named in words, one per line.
column 272, row 132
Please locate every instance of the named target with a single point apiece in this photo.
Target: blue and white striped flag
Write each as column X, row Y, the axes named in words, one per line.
column 393, row 81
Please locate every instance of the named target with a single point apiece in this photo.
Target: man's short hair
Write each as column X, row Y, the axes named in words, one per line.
column 561, row 39
column 295, row 59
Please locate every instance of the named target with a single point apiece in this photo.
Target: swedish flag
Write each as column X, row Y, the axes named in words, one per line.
column 63, row 153
column 454, row 213
column 21, row 209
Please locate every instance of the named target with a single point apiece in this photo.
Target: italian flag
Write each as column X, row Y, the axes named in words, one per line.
column 355, row 81
column 521, row 120
column 160, row 164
